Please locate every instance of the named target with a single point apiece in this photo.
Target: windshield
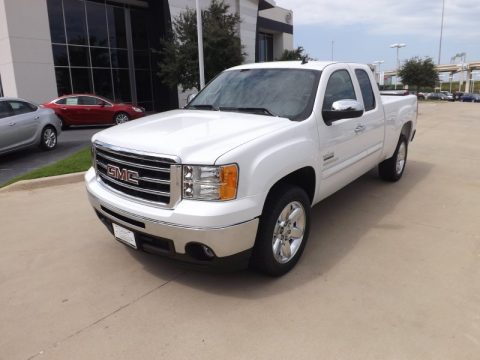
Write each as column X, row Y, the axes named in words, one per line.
column 286, row 93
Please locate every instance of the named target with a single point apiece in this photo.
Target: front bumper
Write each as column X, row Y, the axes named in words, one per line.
column 231, row 244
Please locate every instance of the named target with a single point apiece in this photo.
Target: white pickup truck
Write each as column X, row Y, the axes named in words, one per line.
column 230, row 179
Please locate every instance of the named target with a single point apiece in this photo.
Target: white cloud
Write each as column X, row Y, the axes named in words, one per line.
column 390, row 16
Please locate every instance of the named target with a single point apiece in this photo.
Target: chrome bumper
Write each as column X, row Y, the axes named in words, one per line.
column 224, row 241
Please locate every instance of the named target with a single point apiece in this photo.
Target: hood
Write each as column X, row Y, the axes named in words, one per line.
column 196, row 136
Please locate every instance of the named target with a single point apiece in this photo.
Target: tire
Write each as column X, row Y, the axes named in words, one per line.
column 64, row 126
column 121, row 118
column 392, row 169
column 48, row 138
column 276, row 250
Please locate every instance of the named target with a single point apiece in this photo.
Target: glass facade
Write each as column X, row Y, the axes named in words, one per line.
column 101, row 48
column 265, row 47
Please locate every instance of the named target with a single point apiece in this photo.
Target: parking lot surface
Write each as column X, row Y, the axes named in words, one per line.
column 23, row 161
column 391, row 271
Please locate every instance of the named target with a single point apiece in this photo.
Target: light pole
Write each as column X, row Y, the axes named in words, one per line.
column 397, row 46
column 441, row 33
column 200, row 45
column 377, row 64
column 450, row 77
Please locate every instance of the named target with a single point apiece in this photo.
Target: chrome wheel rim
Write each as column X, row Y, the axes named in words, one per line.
column 121, row 118
column 49, row 138
column 402, row 153
column 288, row 232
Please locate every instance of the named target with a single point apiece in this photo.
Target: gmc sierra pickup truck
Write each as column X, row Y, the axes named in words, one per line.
column 231, row 178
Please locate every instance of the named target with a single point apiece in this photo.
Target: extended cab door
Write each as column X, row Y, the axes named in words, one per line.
column 373, row 120
column 342, row 142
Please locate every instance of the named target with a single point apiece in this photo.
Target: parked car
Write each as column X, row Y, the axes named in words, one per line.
column 468, row 97
column 457, row 95
column 86, row 109
column 448, row 95
column 231, row 178
column 421, row 96
column 436, row 96
column 23, row 124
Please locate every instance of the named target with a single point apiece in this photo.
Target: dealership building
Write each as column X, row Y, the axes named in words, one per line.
column 55, row 47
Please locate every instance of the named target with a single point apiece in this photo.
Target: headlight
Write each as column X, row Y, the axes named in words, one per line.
column 210, row 182
column 137, row 109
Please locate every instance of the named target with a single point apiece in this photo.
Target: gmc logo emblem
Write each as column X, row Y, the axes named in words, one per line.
column 122, row 174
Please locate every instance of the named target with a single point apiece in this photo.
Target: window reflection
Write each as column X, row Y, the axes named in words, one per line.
column 90, row 52
column 75, row 21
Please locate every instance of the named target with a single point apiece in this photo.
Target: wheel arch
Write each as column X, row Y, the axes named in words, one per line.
column 304, row 178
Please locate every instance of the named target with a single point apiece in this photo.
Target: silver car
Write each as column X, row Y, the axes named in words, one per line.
column 23, row 124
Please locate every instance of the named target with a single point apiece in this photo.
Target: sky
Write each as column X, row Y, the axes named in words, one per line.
column 363, row 30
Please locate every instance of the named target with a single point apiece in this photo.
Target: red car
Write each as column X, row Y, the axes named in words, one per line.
column 85, row 109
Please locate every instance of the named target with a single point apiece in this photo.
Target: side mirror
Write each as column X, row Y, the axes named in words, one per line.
column 102, row 103
column 343, row 109
column 191, row 97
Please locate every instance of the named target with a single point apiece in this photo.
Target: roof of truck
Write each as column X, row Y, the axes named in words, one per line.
column 313, row 65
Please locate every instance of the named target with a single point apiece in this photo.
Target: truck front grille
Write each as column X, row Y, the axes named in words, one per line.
column 144, row 177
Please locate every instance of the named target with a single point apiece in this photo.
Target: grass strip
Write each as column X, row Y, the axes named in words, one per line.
column 79, row 161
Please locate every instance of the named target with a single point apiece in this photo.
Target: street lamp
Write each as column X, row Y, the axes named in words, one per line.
column 377, row 64
column 200, row 45
column 397, row 46
column 441, row 34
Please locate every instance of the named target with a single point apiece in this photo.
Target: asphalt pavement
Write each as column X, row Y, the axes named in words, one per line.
column 24, row 161
column 391, row 271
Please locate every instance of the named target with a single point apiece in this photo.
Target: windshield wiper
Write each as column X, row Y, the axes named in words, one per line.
column 254, row 110
column 203, row 107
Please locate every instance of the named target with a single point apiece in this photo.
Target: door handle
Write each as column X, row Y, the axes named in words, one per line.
column 37, row 117
column 12, row 124
column 359, row 129
column 64, row 108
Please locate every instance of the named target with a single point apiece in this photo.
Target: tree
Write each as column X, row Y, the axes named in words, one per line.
column 295, row 54
column 419, row 72
column 221, row 44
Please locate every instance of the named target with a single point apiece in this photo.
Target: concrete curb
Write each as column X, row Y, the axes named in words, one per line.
column 44, row 182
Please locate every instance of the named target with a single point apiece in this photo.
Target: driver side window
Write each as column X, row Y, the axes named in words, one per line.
column 339, row 87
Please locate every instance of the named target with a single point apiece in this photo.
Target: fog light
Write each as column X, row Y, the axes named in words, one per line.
column 207, row 251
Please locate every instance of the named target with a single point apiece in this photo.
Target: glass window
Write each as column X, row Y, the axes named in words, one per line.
column 82, row 80
column 5, row 109
column 119, row 58
column 144, row 88
column 116, row 27
column 60, row 57
column 61, row 101
column 100, row 57
column 121, row 79
column 139, row 29
column 141, row 60
column 73, row 100
column 97, row 24
column 55, row 18
column 261, row 90
column 366, row 88
column 75, row 21
column 102, row 79
column 63, row 81
column 20, row 107
column 339, row 87
column 79, row 56
column 265, row 47
column 87, row 100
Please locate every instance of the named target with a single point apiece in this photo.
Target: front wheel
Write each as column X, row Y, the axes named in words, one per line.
column 283, row 231
column 121, row 118
column 48, row 139
column 392, row 168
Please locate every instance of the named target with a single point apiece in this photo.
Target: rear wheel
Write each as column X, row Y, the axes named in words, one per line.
column 48, row 139
column 392, row 168
column 64, row 125
column 283, row 231
column 121, row 118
